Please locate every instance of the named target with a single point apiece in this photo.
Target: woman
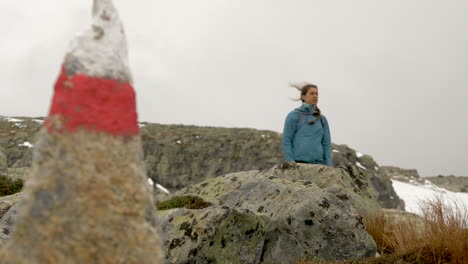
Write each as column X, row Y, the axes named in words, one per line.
column 306, row 135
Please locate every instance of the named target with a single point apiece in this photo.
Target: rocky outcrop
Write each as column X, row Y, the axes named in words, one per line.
column 305, row 220
column 16, row 138
column 451, row 183
column 366, row 166
column 217, row 234
column 177, row 156
column 8, row 201
column 399, row 173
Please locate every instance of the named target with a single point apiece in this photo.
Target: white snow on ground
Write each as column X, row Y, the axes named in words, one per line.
column 360, row 165
column 159, row 186
column 414, row 194
column 335, row 150
column 20, row 125
column 150, row 182
column 26, row 144
column 10, row 119
column 162, row 188
column 40, row 121
column 359, row 154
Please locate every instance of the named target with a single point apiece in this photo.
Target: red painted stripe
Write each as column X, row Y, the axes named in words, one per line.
column 94, row 104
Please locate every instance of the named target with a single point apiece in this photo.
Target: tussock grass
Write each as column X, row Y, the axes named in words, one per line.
column 439, row 236
column 189, row 202
column 9, row 186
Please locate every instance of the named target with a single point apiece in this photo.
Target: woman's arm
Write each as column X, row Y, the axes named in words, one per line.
column 326, row 143
column 289, row 131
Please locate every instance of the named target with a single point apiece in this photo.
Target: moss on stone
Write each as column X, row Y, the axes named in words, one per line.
column 189, row 202
column 239, row 224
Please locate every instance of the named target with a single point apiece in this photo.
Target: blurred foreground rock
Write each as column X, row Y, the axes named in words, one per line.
column 87, row 199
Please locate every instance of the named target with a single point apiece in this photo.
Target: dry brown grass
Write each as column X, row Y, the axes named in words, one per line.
column 439, row 236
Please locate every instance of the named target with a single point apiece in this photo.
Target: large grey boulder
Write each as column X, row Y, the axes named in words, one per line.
column 346, row 182
column 305, row 221
column 213, row 235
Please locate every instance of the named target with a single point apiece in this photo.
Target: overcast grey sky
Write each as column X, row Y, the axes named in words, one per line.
column 392, row 75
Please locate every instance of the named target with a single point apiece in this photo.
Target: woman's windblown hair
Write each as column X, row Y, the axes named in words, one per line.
column 303, row 88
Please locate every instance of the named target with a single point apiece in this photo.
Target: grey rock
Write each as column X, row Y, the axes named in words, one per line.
column 177, row 156
column 366, row 166
column 12, row 137
column 8, row 213
column 399, row 173
column 213, row 235
column 451, row 183
column 305, row 220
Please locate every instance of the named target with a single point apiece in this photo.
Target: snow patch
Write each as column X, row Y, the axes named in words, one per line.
column 413, row 195
column 360, row 165
column 162, row 188
column 335, row 150
column 20, row 125
column 179, row 142
column 26, row 144
column 150, row 182
column 14, row 120
column 159, row 186
column 359, row 154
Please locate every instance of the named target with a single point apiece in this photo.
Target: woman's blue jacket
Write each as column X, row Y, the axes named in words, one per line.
column 304, row 142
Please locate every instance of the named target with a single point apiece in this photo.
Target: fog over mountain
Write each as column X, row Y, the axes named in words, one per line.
column 392, row 76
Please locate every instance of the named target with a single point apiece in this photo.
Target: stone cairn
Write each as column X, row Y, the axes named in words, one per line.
column 87, row 199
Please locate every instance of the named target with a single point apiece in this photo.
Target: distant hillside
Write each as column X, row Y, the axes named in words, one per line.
column 177, row 156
